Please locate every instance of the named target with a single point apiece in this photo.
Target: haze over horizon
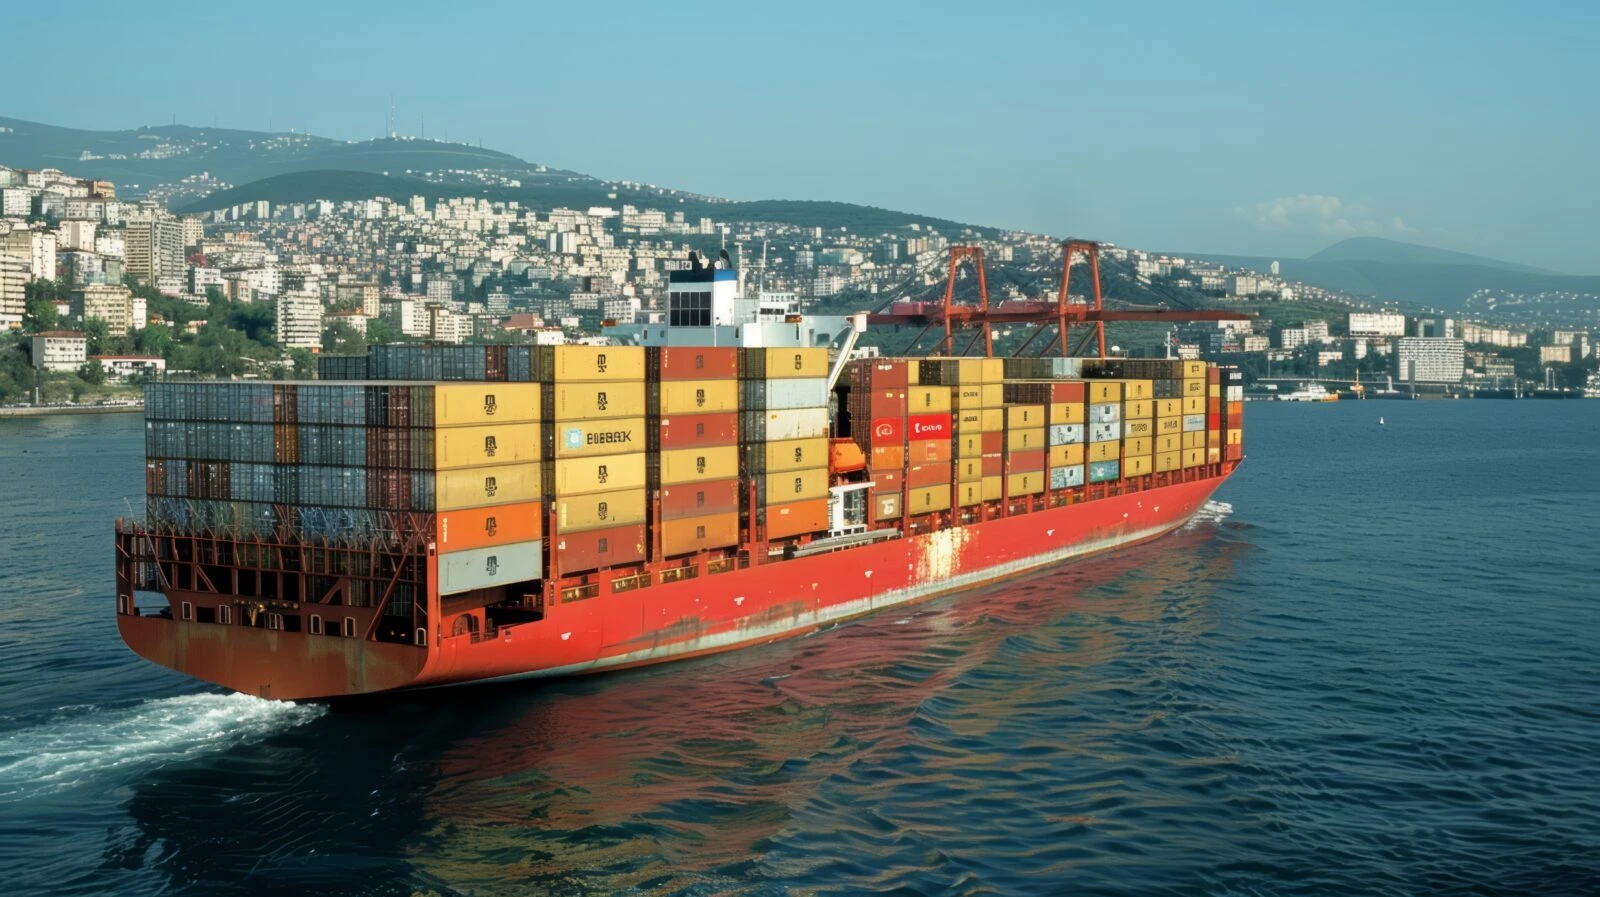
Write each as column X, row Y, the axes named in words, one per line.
column 1256, row 131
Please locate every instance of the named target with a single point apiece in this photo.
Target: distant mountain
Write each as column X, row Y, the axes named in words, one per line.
column 579, row 193
column 140, row 158
column 1394, row 252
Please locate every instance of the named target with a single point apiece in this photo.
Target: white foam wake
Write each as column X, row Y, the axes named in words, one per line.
column 1210, row 514
column 86, row 742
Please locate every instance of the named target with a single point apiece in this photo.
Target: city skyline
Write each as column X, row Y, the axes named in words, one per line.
column 1304, row 131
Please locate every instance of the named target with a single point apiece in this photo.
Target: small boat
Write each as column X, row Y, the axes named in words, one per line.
column 1314, row 392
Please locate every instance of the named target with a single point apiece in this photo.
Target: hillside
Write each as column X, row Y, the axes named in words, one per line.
column 578, row 193
column 1394, row 252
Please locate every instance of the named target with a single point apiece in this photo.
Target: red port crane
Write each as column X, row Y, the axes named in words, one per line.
column 1058, row 316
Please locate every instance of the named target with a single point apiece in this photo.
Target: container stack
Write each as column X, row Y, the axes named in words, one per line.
column 336, row 463
column 784, row 437
column 492, row 363
column 1233, row 414
column 1138, row 427
column 1067, row 437
column 597, row 404
column 693, row 398
column 1105, row 430
column 877, row 412
column 1194, row 414
column 977, row 405
column 929, row 449
column 1214, row 401
column 1026, row 446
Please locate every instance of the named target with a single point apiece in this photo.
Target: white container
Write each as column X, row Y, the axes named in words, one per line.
column 1235, row 393
column 799, row 423
column 1066, row 434
column 804, row 392
column 1193, row 422
column 1105, row 432
column 482, row 568
column 1105, row 414
column 1066, row 477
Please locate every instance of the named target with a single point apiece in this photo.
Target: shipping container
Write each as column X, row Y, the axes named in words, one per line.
column 695, row 534
column 1105, row 414
column 1194, row 457
column 692, row 430
column 1105, row 451
column 1168, row 461
column 1029, row 483
column 919, row 476
column 1168, row 425
column 1139, row 409
column 603, row 473
column 1066, row 455
column 796, row 518
column 470, row 528
column 1141, row 466
column 1194, row 405
column 969, row 470
column 493, row 444
column 969, row 493
column 892, row 457
column 794, row 454
column 615, row 364
column 1138, row 445
column 784, row 394
column 886, row 506
column 698, row 397
column 994, row 420
column 801, row 423
column 878, row 373
column 482, row 486
column 967, row 396
column 1023, row 417
column 1111, row 432
column 994, row 464
column 1139, row 428
column 1235, row 437
column 969, row 445
column 1194, row 423
column 1104, row 471
column 1062, row 368
column 491, row 567
column 993, row 487
column 1022, row 440
column 1066, row 477
column 792, row 486
column 692, row 465
column 572, row 553
column 993, row 441
column 925, row 451
column 608, row 400
column 1169, row 442
column 1068, row 413
column 1066, row 434
column 929, row 499
column 1032, row 459
column 1194, row 439
column 464, row 404
column 1169, row 408
column 694, row 362
column 700, row 499
column 599, row 510
column 1194, row 388
column 602, row 437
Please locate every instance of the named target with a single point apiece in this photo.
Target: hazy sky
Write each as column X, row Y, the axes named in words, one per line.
column 1272, row 128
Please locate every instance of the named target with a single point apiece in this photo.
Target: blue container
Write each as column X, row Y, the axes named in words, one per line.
column 1067, row 477
column 1104, row 471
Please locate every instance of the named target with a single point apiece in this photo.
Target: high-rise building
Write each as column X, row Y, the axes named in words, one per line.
column 110, row 302
column 36, row 248
column 153, row 244
column 13, row 290
column 1377, row 323
column 1428, row 359
column 299, row 320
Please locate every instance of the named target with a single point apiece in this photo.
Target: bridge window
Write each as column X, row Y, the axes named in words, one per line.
column 689, row 309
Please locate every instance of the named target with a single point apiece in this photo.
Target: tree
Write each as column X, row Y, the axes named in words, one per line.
column 342, row 339
column 92, row 372
column 381, row 332
column 39, row 315
column 97, row 331
column 155, row 339
column 305, row 363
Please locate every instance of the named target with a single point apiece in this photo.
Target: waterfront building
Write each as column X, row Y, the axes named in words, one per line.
column 1427, row 359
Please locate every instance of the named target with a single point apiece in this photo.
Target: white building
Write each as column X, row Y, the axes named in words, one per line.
column 118, row 368
column 13, row 290
column 59, row 350
column 299, row 320
column 37, row 249
column 1427, row 359
column 1377, row 323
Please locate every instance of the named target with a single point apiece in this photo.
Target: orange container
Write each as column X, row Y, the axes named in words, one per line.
column 924, row 451
column 797, row 518
column 1026, row 460
column 994, row 465
column 699, row 363
column 888, row 457
column 692, row 534
column 471, row 528
column 1214, row 407
column 923, row 475
column 700, row 499
column 597, row 548
column 1067, row 392
column 1235, row 411
column 698, row 430
column 994, row 441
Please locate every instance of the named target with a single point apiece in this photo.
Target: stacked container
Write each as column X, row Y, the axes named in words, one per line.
column 694, row 422
column 1214, row 402
column 1233, row 414
column 1105, row 430
column 977, row 404
column 877, row 412
column 1194, row 414
column 597, row 408
column 1069, row 414
column 1139, row 426
column 1027, row 444
column 784, row 447
column 929, row 449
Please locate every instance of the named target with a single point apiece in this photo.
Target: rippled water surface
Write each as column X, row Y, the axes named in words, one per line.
column 1372, row 667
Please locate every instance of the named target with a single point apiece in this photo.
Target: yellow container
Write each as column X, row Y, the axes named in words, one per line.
column 1103, row 391
column 1024, row 417
column 1137, row 389
column 969, row 445
column 1193, row 370
column 1169, row 408
column 994, row 369
column 1139, row 428
column 994, row 394
column 1138, row 467
column 927, row 399
column 1213, row 455
column 465, row 404
column 1236, row 437
column 1194, row 457
column 969, row 470
column 606, row 473
column 795, row 454
column 1068, row 413
column 1194, row 388
column 1166, row 461
column 967, row 395
column 1021, row 440
column 598, row 401
column 969, row 494
column 992, row 487
column 1105, row 451
column 1142, row 445
column 1169, row 425
column 582, row 439
column 1030, row 483
column 969, row 420
column 796, row 485
column 478, row 487
column 598, row 510
column 1194, row 439
column 491, row 444
column 1194, row 404
column 1213, row 390
column 1137, row 409
column 994, row 420
column 783, row 364
column 612, row 363
column 696, row 465
column 928, row 499
column 1066, row 455
column 1170, row 442
column 699, row 396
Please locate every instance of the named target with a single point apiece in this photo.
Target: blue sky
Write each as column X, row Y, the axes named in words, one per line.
column 1271, row 128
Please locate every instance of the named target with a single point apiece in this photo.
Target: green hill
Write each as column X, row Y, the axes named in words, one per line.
column 1394, row 252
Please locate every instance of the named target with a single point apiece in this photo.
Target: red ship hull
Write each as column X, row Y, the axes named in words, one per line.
column 672, row 620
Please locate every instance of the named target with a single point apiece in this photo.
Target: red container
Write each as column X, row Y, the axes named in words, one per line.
column 699, row 499
column 1233, row 452
column 923, row 451
column 1214, row 410
column 929, row 426
column 697, row 430
column 887, row 403
column 881, row 374
column 1214, row 375
column 994, row 465
column 797, row 518
column 923, row 475
column 994, row 442
column 889, row 479
column 581, row 552
column 887, row 457
column 695, row 534
column 1026, row 460
column 1235, row 411
column 887, row 432
column 1066, row 392
column 699, row 363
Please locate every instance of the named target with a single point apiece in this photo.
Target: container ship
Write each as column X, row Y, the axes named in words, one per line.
column 730, row 475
